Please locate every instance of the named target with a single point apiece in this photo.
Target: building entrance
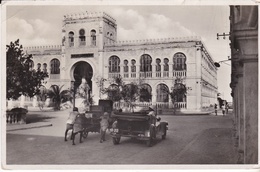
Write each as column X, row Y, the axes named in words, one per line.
column 83, row 72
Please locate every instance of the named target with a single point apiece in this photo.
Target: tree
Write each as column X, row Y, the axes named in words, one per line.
column 178, row 91
column 130, row 93
column 58, row 95
column 114, row 91
column 21, row 78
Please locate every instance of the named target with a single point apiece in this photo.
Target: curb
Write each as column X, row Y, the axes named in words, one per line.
column 29, row 127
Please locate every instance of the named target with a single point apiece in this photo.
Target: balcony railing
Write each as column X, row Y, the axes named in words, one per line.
column 179, row 73
column 71, row 44
column 126, row 75
column 165, row 74
column 159, row 105
column 158, row 74
column 181, row 105
column 54, row 76
column 82, row 43
column 146, row 74
column 133, row 75
column 112, row 75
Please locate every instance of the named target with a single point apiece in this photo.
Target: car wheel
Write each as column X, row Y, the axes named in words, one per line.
column 116, row 140
column 85, row 134
column 149, row 142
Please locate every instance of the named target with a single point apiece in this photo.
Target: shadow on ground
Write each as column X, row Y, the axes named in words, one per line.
column 33, row 118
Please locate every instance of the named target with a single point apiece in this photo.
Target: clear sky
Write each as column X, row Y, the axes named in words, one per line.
column 41, row 25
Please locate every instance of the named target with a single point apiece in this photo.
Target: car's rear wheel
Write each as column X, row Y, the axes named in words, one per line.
column 85, row 134
column 149, row 142
column 116, row 140
column 164, row 135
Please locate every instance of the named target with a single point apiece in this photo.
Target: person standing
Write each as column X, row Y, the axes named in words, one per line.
column 71, row 120
column 104, row 126
column 216, row 109
column 223, row 109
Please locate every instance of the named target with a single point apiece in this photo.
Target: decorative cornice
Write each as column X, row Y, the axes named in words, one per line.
column 89, row 15
column 154, row 41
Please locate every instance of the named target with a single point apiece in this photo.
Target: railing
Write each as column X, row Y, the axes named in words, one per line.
column 162, row 105
column 16, row 115
column 82, row 43
column 179, row 73
column 181, row 105
column 126, row 75
column 133, row 75
column 159, row 105
column 54, row 76
column 158, row 74
column 146, row 74
column 112, row 75
column 71, row 44
column 165, row 74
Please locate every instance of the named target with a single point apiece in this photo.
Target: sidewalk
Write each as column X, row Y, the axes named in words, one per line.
column 48, row 122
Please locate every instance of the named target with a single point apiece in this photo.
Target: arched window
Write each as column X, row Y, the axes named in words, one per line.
column 179, row 61
column 30, row 64
column 126, row 66
column 44, row 68
column 114, row 64
column 162, row 92
column 82, row 38
column 145, row 93
column 93, row 37
column 133, row 67
column 55, row 66
column 146, row 63
column 71, row 39
column 166, row 65
column 39, row 66
column 158, row 65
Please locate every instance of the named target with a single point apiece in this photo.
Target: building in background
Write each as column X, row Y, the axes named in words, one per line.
column 244, row 79
column 90, row 50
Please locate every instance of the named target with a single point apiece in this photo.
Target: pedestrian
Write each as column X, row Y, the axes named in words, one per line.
column 223, row 109
column 104, row 123
column 226, row 107
column 71, row 120
column 216, row 109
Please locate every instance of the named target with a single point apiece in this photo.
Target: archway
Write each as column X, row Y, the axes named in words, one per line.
column 82, row 70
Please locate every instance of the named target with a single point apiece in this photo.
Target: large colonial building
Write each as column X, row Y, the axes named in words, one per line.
column 90, row 50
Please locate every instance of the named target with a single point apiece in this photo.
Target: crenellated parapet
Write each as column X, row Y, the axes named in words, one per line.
column 88, row 15
column 43, row 50
column 154, row 41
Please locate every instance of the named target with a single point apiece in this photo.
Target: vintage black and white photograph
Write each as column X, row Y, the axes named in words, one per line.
column 157, row 85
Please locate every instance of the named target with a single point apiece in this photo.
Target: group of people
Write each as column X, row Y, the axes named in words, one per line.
column 104, row 122
column 224, row 109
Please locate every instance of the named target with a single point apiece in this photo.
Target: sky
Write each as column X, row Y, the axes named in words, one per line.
column 41, row 25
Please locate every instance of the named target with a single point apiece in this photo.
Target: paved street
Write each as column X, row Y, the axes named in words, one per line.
column 191, row 139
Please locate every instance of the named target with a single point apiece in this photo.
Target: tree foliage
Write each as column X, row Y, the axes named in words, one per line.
column 21, row 78
column 58, row 95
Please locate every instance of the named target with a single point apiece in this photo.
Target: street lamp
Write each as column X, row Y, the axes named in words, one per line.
column 217, row 64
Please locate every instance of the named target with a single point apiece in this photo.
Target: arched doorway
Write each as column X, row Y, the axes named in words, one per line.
column 82, row 70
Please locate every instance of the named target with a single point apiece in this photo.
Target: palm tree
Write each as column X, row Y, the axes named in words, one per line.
column 58, row 95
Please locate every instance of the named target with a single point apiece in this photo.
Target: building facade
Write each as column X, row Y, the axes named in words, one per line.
column 90, row 50
column 244, row 80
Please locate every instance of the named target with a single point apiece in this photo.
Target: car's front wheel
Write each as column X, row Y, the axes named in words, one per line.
column 116, row 140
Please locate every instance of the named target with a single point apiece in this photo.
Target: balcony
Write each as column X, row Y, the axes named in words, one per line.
column 146, row 74
column 112, row 75
column 54, row 76
column 181, row 73
column 82, row 43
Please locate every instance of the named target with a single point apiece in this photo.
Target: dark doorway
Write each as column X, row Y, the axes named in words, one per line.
column 83, row 70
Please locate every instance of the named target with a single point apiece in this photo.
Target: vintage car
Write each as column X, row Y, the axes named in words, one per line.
column 92, row 121
column 138, row 125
